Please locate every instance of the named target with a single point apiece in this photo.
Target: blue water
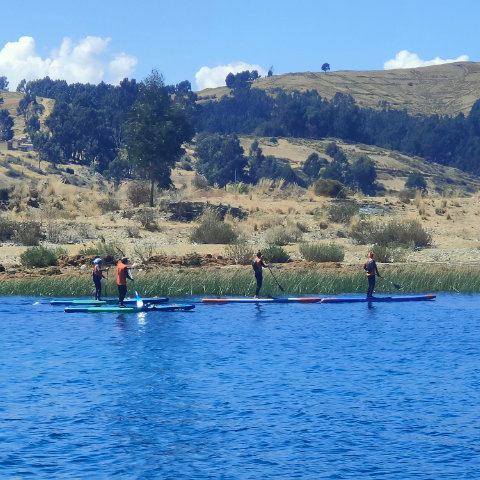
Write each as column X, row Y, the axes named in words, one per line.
column 242, row 392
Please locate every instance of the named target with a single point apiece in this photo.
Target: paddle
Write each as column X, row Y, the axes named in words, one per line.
column 395, row 285
column 275, row 278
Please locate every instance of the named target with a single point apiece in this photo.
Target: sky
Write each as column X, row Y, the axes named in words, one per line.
column 202, row 41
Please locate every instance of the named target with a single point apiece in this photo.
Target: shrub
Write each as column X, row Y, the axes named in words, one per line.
column 416, row 181
column 275, row 254
column 108, row 204
column 146, row 218
column 199, row 182
column 318, row 252
column 329, row 188
column 280, row 235
column 386, row 254
column 212, row 229
column 41, row 256
column 395, row 232
column 331, row 149
column 138, row 193
column 406, row 195
column 342, row 212
column 7, row 229
column 27, row 233
column 239, row 187
column 132, row 232
column 313, row 164
column 101, row 249
column 240, row 252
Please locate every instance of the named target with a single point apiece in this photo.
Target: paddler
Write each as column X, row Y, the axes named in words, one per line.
column 371, row 268
column 97, row 275
column 123, row 272
column 258, row 265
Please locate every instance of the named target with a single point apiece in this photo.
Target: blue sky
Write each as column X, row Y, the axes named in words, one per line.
column 180, row 37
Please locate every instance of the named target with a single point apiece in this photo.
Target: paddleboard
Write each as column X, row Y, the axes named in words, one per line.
column 400, row 298
column 261, row 300
column 173, row 307
column 108, row 301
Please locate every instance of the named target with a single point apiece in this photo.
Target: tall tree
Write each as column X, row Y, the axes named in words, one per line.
column 326, row 67
column 6, row 125
column 3, row 83
column 155, row 132
column 221, row 159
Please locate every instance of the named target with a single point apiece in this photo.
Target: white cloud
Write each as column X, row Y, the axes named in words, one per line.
column 406, row 59
column 85, row 61
column 213, row 77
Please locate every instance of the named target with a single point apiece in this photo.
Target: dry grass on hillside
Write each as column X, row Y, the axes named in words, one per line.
column 442, row 89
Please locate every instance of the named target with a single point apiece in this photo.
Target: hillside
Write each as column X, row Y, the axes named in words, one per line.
column 11, row 101
column 442, row 89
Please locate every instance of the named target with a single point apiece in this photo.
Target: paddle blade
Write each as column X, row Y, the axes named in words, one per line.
column 139, row 300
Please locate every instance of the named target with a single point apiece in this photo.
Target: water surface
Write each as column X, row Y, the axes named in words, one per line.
column 242, row 392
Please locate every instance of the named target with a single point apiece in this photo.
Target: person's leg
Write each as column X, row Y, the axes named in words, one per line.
column 371, row 286
column 122, row 292
column 259, row 279
column 98, row 289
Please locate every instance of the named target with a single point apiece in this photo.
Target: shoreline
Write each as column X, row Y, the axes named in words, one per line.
column 238, row 280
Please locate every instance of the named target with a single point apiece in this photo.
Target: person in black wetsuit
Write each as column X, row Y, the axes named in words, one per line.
column 97, row 275
column 371, row 268
column 257, row 266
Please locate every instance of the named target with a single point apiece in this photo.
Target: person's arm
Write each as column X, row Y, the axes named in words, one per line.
column 264, row 264
column 129, row 275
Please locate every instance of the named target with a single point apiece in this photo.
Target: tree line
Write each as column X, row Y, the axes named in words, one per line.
column 453, row 141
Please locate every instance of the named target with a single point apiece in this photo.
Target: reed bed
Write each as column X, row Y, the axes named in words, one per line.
column 198, row 281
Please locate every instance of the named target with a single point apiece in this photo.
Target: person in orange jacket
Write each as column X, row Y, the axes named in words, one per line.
column 123, row 272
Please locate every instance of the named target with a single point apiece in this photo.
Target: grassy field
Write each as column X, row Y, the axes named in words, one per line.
column 442, row 89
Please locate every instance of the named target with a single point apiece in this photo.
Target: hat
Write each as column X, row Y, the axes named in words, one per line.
column 125, row 260
column 97, row 260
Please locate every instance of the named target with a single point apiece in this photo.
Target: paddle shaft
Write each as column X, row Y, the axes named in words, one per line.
column 275, row 278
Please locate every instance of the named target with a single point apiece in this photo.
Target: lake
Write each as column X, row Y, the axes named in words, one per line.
column 242, row 391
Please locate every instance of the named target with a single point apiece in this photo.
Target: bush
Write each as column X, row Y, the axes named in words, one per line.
column 199, row 182
column 7, row 229
column 385, row 254
column 406, row 195
column 138, row 193
column 240, row 252
column 108, row 204
column 41, row 256
column 146, row 218
column 396, row 232
column 313, row 164
column 318, row 252
column 101, row 249
column 275, row 254
column 342, row 212
column 192, row 259
column 416, row 181
column 27, row 233
column 283, row 235
column 329, row 188
column 212, row 229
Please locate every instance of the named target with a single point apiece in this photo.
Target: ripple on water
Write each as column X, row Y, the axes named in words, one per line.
column 242, row 391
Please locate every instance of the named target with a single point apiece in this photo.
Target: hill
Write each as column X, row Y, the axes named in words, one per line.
column 10, row 103
column 447, row 89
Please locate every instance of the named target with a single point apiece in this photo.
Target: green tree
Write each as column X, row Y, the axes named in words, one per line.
column 155, row 132
column 3, row 83
column 416, row 181
column 21, row 86
column 313, row 164
column 364, row 175
column 326, row 67
column 6, row 125
column 220, row 159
